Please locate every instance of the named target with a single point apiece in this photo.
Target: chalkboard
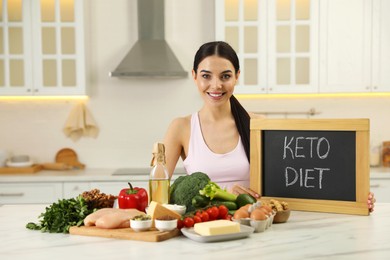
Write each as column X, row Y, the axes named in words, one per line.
column 315, row 165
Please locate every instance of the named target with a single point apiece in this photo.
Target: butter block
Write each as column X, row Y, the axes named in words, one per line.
column 216, row 227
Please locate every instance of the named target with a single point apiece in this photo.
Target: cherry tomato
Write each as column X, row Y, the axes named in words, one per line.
column 223, row 211
column 188, row 222
column 204, row 216
column 213, row 212
column 180, row 224
column 198, row 213
column 197, row 219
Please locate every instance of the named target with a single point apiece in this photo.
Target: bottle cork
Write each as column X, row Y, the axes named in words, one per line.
column 158, row 153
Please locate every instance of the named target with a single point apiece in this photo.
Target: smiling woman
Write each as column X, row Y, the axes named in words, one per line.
column 214, row 140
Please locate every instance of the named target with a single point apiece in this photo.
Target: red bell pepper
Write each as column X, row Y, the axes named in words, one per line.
column 133, row 198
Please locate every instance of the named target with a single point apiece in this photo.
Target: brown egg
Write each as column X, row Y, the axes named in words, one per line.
column 241, row 213
column 258, row 214
column 246, row 207
column 266, row 210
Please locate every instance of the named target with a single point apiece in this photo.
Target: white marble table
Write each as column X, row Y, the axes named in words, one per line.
column 306, row 235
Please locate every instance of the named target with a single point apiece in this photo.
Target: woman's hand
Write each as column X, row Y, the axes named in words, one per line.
column 371, row 201
column 238, row 189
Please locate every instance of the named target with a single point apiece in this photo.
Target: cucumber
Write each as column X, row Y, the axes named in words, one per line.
column 200, row 201
column 243, row 199
column 231, row 205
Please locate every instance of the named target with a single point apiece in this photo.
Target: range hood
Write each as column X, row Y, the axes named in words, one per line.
column 151, row 55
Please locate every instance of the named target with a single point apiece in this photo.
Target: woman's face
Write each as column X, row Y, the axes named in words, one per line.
column 215, row 79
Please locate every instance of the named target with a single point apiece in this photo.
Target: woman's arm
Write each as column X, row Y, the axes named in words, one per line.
column 173, row 142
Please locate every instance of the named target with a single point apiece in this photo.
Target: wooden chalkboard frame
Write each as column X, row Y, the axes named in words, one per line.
column 362, row 129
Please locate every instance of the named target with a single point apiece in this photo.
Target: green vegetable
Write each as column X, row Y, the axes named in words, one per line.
column 231, row 212
column 231, row 205
column 213, row 191
column 60, row 216
column 186, row 187
column 200, row 201
column 243, row 199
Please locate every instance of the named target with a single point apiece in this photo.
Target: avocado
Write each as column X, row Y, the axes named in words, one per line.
column 243, row 199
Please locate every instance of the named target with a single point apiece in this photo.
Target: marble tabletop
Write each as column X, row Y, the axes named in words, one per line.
column 307, row 235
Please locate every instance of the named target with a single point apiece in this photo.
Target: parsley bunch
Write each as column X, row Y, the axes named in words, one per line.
column 60, row 216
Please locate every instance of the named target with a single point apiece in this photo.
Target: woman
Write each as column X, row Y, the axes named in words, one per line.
column 215, row 140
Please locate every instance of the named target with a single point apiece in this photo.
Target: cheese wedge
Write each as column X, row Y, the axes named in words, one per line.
column 216, row 227
column 157, row 210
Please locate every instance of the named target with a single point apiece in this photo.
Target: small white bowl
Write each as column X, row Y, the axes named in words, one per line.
column 177, row 208
column 165, row 225
column 140, row 225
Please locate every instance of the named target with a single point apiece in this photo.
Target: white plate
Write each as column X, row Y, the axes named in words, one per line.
column 191, row 234
column 19, row 164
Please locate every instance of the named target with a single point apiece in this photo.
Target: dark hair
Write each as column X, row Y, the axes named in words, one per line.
column 241, row 116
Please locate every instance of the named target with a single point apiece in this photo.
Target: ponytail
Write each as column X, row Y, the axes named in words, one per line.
column 242, row 119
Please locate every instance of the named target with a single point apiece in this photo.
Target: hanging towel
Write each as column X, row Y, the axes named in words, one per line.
column 80, row 123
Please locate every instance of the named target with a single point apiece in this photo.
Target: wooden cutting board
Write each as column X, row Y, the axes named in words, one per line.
column 69, row 157
column 32, row 169
column 152, row 235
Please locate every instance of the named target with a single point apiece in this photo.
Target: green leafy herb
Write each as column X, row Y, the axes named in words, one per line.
column 60, row 216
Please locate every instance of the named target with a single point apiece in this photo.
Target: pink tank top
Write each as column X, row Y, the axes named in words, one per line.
column 224, row 169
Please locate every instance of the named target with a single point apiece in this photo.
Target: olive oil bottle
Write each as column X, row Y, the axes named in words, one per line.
column 159, row 182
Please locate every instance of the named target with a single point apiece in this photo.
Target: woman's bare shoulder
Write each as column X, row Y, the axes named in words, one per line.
column 179, row 126
column 180, row 122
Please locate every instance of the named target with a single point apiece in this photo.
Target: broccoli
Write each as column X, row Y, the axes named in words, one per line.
column 186, row 187
column 213, row 191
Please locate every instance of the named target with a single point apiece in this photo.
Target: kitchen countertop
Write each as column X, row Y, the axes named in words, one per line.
column 137, row 174
column 306, row 235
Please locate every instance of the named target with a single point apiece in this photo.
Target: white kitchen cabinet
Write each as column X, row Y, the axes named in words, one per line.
column 308, row 46
column 42, row 48
column 276, row 42
column 73, row 189
column 30, row 192
column 381, row 46
column 345, row 44
column 354, row 46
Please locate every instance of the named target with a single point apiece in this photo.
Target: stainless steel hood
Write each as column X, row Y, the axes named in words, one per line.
column 151, row 55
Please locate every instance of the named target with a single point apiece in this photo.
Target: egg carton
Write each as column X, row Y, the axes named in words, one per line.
column 258, row 225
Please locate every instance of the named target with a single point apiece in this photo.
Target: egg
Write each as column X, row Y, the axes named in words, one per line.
column 246, row 207
column 241, row 213
column 266, row 210
column 258, row 214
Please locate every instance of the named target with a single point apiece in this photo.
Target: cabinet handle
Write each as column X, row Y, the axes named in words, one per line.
column 19, row 194
column 375, row 186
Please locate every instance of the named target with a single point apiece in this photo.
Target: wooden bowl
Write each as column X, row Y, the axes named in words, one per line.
column 281, row 216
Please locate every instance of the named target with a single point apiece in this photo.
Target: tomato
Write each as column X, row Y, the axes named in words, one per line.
column 213, row 212
column 197, row 219
column 188, row 222
column 223, row 211
column 180, row 224
column 204, row 216
column 198, row 213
